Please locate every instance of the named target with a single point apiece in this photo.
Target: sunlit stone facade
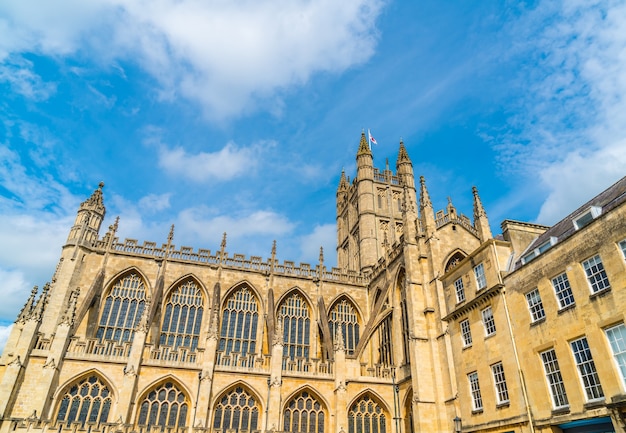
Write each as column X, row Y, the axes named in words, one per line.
column 133, row 336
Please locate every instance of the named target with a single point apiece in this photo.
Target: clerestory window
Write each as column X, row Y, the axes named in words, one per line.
column 294, row 313
column 239, row 323
column 344, row 315
column 183, row 317
column 123, row 307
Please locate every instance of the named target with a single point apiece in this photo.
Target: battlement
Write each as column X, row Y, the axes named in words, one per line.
column 185, row 254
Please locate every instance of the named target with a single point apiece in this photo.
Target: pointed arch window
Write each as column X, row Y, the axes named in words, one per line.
column 345, row 315
column 294, row 313
column 122, row 309
column 183, row 316
column 88, row 400
column 239, row 323
column 305, row 414
column 367, row 416
column 385, row 353
column 164, row 406
column 236, row 410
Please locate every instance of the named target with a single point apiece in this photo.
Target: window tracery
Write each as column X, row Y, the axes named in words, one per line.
column 236, row 410
column 366, row 416
column 344, row 314
column 294, row 313
column 122, row 309
column 165, row 406
column 88, row 400
column 183, row 316
column 385, row 353
column 304, row 413
column 239, row 323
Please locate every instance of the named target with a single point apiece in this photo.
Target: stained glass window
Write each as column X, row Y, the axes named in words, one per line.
column 165, row 406
column 182, row 318
column 344, row 314
column 304, row 414
column 122, row 309
column 367, row 416
column 294, row 313
column 239, row 323
column 88, row 400
column 236, row 410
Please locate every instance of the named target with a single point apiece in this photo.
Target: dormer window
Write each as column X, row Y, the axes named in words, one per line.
column 586, row 217
column 540, row 249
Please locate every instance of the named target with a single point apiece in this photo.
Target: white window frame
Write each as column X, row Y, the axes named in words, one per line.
column 587, row 371
column 586, row 217
column 499, row 381
column 540, row 249
column 596, row 274
column 466, row 332
column 477, row 399
column 535, row 306
column 563, row 291
column 481, row 279
column 616, row 335
column 459, row 290
column 489, row 321
column 622, row 245
column 554, row 379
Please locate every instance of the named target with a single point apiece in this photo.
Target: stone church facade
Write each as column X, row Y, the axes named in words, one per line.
column 143, row 337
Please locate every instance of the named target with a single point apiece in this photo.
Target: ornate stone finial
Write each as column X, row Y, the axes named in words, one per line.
column 364, row 148
column 407, row 203
column 321, row 258
column 403, row 156
column 343, row 181
column 28, row 306
column 479, row 210
column 70, row 311
column 424, row 197
column 170, row 236
column 95, row 201
column 144, row 320
column 274, row 250
column 223, row 244
column 386, row 164
column 339, row 343
column 278, row 332
column 41, row 303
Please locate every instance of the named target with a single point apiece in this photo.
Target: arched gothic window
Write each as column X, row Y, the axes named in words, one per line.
column 294, row 313
column 366, row 416
column 385, row 353
column 454, row 260
column 344, row 314
column 164, row 406
column 88, row 400
column 304, row 414
column 122, row 309
column 183, row 316
column 239, row 323
column 237, row 410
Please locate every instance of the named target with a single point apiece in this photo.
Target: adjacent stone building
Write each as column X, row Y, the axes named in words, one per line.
column 427, row 324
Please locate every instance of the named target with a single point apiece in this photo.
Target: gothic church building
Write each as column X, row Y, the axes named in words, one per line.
column 130, row 337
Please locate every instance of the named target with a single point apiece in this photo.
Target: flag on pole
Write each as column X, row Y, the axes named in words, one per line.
column 372, row 139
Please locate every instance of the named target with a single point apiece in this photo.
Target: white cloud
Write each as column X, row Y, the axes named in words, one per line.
column 5, row 331
column 153, row 203
column 229, row 56
column 18, row 72
column 229, row 162
column 322, row 236
column 570, row 126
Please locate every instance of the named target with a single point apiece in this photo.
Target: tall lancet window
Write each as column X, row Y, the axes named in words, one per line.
column 385, row 353
column 239, row 323
column 294, row 313
column 344, row 315
column 182, row 318
column 123, row 307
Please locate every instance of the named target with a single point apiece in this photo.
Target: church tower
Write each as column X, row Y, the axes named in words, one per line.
column 88, row 219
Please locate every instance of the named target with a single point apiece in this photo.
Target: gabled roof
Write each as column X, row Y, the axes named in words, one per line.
column 607, row 200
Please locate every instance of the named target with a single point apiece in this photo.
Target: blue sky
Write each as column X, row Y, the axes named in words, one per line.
column 238, row 116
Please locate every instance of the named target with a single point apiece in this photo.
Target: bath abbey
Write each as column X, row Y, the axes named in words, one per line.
column 429, row 323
